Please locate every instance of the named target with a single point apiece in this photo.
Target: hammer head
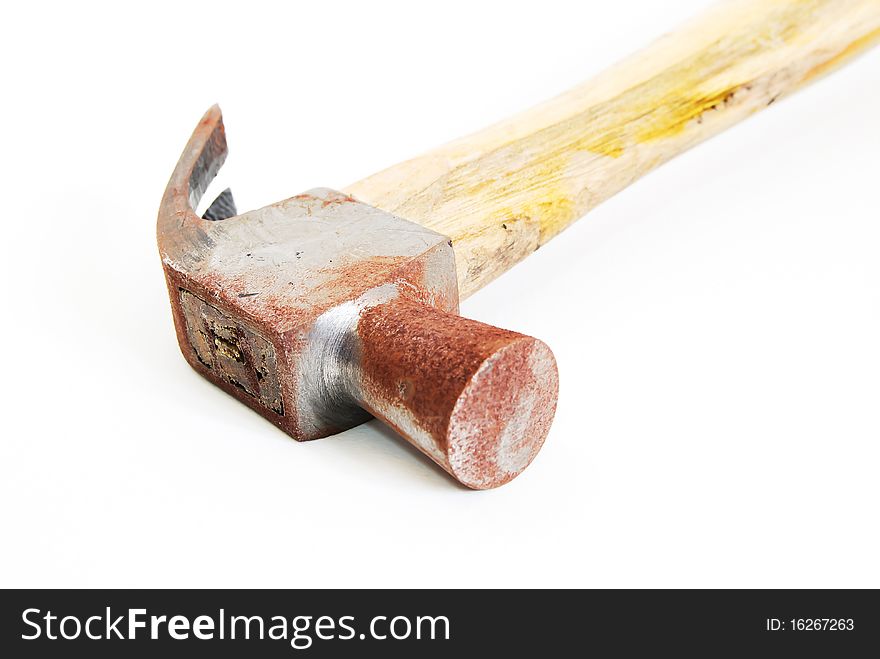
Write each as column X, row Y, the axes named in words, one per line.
column 319, row 310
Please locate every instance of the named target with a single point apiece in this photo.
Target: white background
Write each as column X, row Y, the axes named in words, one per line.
column 717, row 325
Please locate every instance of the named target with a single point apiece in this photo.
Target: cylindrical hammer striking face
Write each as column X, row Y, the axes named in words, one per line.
column 319, row 309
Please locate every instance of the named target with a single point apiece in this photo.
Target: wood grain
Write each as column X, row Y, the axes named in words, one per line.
column 503, row 192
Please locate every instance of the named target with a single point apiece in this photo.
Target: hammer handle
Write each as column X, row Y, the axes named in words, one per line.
column 501, row 193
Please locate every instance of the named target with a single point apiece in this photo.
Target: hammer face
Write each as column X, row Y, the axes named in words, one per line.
column 266, row 303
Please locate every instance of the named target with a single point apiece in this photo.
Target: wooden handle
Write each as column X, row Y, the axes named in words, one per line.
column 503, row 192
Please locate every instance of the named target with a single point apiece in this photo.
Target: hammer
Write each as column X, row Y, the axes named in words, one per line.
column 329, row 307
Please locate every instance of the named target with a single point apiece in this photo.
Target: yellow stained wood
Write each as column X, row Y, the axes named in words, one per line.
column 503, row 192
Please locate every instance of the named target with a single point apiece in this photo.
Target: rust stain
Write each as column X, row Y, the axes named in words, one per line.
column 510, row 404
column 331, row 199
column 422, row 358
column 484, row 396
column 276, row 376
column 345, row 281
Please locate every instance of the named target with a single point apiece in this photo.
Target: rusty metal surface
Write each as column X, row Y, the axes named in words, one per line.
column 477, row 399
column 234, row 354
column 319, row 309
